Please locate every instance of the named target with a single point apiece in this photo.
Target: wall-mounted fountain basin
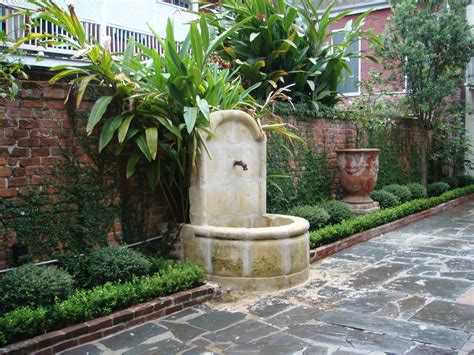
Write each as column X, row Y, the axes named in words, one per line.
column 270, row 256
column 230, row 234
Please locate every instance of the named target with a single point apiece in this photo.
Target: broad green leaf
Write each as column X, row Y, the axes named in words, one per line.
column 142, row 144
column 82, row 88
column 190, row 116
column 97, row 112
column 203, row 107
column 152, row 141
column 122, row 133
column 196, row 43
column 132, row 163
column 108, row 131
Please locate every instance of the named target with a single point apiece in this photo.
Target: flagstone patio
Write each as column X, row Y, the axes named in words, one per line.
column 408, row 292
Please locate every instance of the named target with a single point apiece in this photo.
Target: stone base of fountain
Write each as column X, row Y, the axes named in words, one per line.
column 270, row 257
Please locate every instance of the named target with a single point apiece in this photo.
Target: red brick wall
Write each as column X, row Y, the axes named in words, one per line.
column 35, row 130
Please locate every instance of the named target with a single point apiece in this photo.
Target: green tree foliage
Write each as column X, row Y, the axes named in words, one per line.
column 11, row 68
column 428, row 44
column 286, row 43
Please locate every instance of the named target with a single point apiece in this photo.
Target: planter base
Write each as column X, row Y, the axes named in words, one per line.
column 363, row 208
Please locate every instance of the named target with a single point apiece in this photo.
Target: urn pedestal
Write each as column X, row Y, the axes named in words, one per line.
column 358, row 169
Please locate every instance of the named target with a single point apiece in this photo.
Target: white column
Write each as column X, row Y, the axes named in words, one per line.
column 103, row 20
column 195, row 5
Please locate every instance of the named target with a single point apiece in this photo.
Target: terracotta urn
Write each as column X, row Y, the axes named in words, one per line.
column 358, row 170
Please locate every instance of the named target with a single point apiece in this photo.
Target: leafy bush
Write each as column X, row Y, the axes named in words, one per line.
column 465, row 180
column 358, row 224
column 23, row 323
column 385, row 199
column 32, row 285
column 83, row 305
column 402, row 192
column 337, row 210
column 106, row 264
column 281, row 45
column 316, row 216
column 452, row 181
column 437, row 188
column 417, row 190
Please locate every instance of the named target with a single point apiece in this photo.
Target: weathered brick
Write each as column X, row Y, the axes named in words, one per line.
column 20, row 152
column 18, row 181
column 99, row 323
column 33, row 103
column 173, row 309
column 122, row 316
column 8, row 192
column 142, row 310
column 49, row 339
column 28, row 124
column 5, row 172
column 89, row 337
column 55, row 105
column 28, row 142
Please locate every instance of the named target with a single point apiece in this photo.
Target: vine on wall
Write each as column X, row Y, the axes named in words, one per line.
column 399, row 154
column 71, row 213
column 296, row 175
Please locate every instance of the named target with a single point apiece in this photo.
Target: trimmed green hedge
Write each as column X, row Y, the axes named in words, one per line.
column 82, row 305
column 355, row 225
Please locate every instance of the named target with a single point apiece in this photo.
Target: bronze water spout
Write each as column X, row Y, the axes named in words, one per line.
column 242, row 164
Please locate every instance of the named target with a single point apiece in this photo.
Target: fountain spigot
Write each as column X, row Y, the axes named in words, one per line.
column 242, row 164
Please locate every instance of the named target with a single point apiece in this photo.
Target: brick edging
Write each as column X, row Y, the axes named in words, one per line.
column 60, row 340
column 333, row 248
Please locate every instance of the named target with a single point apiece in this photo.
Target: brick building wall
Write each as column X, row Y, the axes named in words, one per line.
column 35, row 131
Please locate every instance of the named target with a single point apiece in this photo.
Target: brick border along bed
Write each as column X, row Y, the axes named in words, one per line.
column 333, row 248
column 59, row 340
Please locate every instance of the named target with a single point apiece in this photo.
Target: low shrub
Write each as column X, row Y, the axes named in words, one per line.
column 417, row 190
column 32, row 285
column 437, row 188
column 23, row 323
column 337, row 210
column 316, row 216
column 358, row 224
column 452, row 181
column 106, row 265
column 385, row 199
column 83, row 305
column 465, row 180
column 402, row 192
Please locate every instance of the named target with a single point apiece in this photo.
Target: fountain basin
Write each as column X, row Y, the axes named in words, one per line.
column 273, row 255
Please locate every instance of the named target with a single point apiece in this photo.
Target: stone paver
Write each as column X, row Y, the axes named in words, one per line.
column 408, row 292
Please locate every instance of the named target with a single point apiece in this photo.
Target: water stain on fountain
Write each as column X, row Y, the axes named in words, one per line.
column 241, row 246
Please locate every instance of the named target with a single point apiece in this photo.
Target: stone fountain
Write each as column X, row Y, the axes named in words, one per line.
column 240, row 246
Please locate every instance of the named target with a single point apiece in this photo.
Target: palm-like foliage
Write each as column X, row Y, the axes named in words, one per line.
column 285, row 43
column 156, row 106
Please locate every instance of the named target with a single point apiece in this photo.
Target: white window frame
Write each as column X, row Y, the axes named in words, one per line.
column 358, row 92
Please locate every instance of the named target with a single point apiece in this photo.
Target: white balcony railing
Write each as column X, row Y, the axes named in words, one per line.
column 118, row 19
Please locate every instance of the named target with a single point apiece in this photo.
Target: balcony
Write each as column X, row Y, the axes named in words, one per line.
column 118, row 19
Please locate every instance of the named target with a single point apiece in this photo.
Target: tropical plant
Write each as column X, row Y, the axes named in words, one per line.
column 11, row 68
column 283, row 43
column 154, row 107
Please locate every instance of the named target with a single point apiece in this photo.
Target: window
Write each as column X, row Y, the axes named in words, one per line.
column 184, row 4
column 350, row 83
